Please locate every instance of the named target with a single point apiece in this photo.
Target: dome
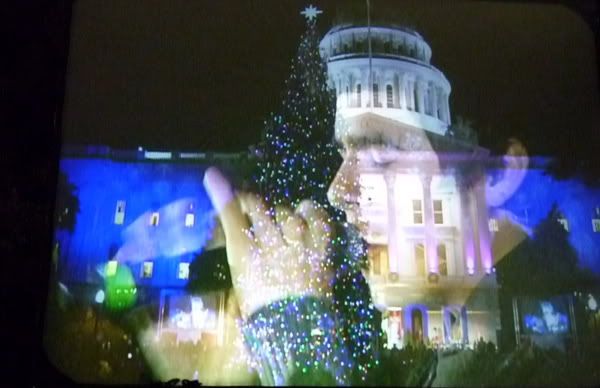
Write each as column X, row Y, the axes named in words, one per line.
column 397, row 81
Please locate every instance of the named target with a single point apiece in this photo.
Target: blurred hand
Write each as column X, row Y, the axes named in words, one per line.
column 271, row 256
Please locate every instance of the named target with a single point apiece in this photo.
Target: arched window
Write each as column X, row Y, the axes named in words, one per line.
column 429, row 102
column 417, row 324
column 442, row 260
column 420, row 259
column 376, row 95
column 409, row 105
column 347, row 96
column 357, row 97
column 415, row 100
column 389, row 92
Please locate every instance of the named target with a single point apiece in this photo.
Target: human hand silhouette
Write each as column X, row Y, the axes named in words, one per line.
column 271, row 256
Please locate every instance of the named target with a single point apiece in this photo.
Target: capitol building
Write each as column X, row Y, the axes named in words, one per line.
column 429, row 232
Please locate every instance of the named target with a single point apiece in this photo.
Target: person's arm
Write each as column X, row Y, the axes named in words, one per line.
column 293, row 342
column 283, row 284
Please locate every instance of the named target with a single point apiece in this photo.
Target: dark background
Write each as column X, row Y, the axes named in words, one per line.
column 203, row 74
column 200, row 74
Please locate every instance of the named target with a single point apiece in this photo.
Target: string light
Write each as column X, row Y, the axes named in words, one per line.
column 299, row 161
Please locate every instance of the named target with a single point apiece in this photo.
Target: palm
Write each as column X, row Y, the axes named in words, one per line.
column 273, row 255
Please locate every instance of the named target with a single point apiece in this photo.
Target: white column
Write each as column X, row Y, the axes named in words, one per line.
column 446, row 106
column 392, row 232
column 402, row 92
column 468, row 252
column 430, row 246
column 365, row 88
column 411, row 95
column 485, row 250
column 397, row 91
column 434, row 100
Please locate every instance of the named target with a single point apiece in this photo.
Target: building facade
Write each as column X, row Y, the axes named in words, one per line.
column 425, row 211
column 143, row 217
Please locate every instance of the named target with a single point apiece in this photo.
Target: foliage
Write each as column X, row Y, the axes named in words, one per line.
column 544, row 265
column 298, row 159
column 209, row 271
column 409, row 366
column 67, row 204
column 525, row 366
column 463, row 130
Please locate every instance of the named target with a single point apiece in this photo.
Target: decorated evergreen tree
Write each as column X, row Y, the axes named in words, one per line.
column 298, row 159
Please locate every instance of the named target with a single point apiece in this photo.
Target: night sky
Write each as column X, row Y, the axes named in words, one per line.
column 204, row 74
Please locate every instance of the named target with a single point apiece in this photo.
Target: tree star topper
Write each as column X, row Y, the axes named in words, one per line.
column 311, row 12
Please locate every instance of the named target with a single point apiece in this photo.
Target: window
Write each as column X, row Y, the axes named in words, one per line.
column 389, row 92
column 417, row 211
column 438, row 212
column 376, row 263
column 189, row 220
column 184, row 271
column 415, row 100
column 120, row 213
column 420, row 259
column 189, row 216
column 147, row 267
column 376, row 95
column 111, row 268
column 442, row 260
column 357, row 97
column 564, row 222
column 596, row 225
column 407, row 96
column 154, row 219
column 493, row 225
column 378, row 255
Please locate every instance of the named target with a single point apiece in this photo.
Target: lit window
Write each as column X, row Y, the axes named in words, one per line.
column 147, row 268
column 375, row 263
column 390, row 95
column 438, row 212
column 376, row 95
column 357, row 97
column 564, row 222
column 493, row 225
column 378, row 257
column 120, row 213
column 184, row 271
column 420, row 259
column 154, row 219
column 111, row 268
column 442, row 260
column 189, row 220
column 417, row 211
column 596, row 225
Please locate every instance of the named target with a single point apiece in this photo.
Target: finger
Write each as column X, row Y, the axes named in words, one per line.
column 292, row 226
column 319, row 229
column 265, row 231
column 230, row 214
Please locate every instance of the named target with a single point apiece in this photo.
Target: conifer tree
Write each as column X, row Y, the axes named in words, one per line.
column 298, row 159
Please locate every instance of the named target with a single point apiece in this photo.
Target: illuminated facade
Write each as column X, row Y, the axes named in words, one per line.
column 425, row 212
column 146, row 213
column 429, row 216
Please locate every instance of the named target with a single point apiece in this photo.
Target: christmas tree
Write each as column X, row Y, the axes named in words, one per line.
column 298, row 159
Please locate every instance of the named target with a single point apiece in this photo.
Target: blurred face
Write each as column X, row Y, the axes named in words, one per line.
column 361, row 155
